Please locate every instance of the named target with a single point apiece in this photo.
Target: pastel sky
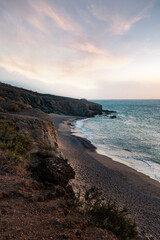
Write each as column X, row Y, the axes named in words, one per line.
column 95, row 49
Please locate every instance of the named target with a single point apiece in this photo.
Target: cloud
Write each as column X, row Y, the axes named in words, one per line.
column 17, row 66
column 52, row 44
column 81, row 71
column 28, row 69
column 134, row 89
column 41, row 14
column 150, row 51
column 87, row 46
column 59, row 16
column 38, row 53
column 91, row 66
column 36, row 22
column 119, row 23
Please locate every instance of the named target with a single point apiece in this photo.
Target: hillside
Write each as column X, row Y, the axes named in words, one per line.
column 17, row 99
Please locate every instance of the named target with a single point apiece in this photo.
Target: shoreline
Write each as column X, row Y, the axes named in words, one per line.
column 138, row 192
column 139, row 166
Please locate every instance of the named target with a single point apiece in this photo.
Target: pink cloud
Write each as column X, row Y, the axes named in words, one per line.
column 88, row 46
column 62, row 20
column 152, row 51
column 17, row 66
column 117, row 22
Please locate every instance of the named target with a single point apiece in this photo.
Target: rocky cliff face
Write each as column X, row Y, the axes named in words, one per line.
column 17, row 99
column 34, row 123
column 36, row 199
column 34, row 188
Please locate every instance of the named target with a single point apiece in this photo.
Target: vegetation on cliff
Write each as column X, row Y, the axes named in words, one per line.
column 14, row 147
column 105, row 215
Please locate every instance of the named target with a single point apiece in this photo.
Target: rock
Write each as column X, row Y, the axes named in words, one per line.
column 60, row 191
column 35, row 123
column 1, row 195
column 77, row 232
column 71, row 124
column 113, row 117
column 40, row 199
column 51, row 196
column 42, row 153
column 61, row 155
column 55, row 170
column 69, row 192
column 107, row 112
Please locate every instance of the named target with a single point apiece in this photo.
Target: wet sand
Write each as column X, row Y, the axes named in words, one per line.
column 139, row 193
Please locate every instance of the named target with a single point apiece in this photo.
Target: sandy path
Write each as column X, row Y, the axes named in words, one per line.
column 129, row 188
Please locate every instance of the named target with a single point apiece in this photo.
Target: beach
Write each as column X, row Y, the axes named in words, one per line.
column 139, row 193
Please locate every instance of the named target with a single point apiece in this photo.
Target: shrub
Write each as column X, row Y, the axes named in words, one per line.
column 14, row 145
column 48, row 147
column 13, row 107
column 106, row 215
column 12, row 163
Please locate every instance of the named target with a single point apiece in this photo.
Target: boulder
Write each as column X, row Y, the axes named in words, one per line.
column 112, row 117
column 55, row 170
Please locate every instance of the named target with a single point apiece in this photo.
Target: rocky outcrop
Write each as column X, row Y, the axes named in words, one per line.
column 15, row 99
column 55, row 170
column 35, row 123
column 113, row 117
column 107, row 112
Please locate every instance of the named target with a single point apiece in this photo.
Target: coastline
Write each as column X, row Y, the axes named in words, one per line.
column 138, row 192
column 120, row 154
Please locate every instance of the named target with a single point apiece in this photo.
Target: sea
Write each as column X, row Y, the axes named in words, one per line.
column 132, row 138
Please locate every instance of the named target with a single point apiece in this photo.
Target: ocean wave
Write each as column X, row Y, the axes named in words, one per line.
column 132, row 138
column 124, row 156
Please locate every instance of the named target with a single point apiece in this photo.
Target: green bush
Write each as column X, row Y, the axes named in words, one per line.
column 14, row 143
column 106, row 215
column 48, row 147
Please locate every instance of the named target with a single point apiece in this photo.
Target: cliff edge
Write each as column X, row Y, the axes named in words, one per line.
column 16, row 99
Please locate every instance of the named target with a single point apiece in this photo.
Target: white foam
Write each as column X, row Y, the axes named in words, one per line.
column 148, row 168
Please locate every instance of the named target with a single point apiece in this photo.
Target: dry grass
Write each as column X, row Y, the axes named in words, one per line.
column 14, row 148
column 106, row 215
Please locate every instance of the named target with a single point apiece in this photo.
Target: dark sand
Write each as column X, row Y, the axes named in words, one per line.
column 139, row 193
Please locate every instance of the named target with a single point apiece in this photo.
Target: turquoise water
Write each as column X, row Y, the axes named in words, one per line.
column 133, row 138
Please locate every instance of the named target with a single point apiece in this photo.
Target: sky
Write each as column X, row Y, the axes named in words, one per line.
column 94, row 49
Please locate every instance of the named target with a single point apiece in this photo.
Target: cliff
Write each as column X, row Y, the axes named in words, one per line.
column 36, row 199
column 17, row 99
column 35, row 123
